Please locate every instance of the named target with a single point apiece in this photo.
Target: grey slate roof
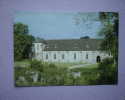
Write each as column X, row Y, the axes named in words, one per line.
column 73, row 45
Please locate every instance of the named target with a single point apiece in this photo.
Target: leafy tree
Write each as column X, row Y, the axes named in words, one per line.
column 37, row 66
column 21, row 28
column 109, row 30
column 22, row 41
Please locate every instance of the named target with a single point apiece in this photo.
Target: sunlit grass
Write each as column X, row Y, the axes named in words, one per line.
column 67, row 64
column 87, row 68
column 25, row 63
column 91, row 66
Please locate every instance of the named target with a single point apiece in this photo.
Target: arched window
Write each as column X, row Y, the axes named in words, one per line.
column 46, row 56
column 62, row 56
column 74, row 55
column 54, row 56
column 86, row 56
column 98, row 59
column 37, row 46
column 41, row 46
column 109, row 54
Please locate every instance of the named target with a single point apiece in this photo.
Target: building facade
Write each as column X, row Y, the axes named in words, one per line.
column 69, row 50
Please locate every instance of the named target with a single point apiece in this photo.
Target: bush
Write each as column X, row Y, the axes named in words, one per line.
column 106, row 62
column 24, row 73
column 107, row 71
column 36, row 65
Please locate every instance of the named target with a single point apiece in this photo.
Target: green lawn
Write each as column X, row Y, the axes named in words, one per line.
column 91, row 66
column 88, row 73
column 68, row 64
column 62, row 74
column 25, row 63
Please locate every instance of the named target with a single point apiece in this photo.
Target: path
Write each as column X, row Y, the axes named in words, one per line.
column 79, row 66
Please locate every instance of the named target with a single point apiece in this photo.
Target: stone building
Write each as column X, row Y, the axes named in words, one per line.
column 69, row 50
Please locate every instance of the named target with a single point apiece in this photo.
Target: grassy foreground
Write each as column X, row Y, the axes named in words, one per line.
column 26, row 63
column 37, row 73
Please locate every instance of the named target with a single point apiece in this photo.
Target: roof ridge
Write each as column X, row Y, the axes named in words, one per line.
column 73, row 39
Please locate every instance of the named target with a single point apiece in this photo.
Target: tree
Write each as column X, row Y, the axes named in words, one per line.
column 109, row 30
column 107, row 72
column 85, row 37
column 22, row 41
column 21, row 28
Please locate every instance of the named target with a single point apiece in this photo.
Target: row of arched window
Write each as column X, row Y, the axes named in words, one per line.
column 63, row 56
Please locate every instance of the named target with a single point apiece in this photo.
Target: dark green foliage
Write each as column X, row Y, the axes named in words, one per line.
column 50, row 74
column 108, row 67
column 107, row 71
column 21, row 28
column 54, row 75
column 19, row 71
column 36, row 65
column 110, row 21
column 22, row 42
column 23, row 72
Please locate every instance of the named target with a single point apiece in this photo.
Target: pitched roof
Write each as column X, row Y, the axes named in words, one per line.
column 73, row 45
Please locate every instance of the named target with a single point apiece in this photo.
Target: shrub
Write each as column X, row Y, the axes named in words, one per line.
column 23, row 72
column 36, row 65
column 107, row 71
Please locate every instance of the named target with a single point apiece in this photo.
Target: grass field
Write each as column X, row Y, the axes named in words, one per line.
column 68, row 64
column 60, row 73
column 25, row 63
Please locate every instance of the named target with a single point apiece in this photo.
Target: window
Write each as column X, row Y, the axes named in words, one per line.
column 62, row 56
column 109, row 54
column 37, row 46
column 55, row 46
column 33, row 45
column 41, row 45
column 37, row 54
column 86, row 56
column 46, row 56
column 87, row 46
column 54, row 56
column 75, row 56
column 98, row 59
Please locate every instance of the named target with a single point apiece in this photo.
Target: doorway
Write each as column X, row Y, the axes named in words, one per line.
column 98, row 59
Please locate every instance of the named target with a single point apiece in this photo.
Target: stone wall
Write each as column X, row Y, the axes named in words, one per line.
column 71, row 56
column 66, row 56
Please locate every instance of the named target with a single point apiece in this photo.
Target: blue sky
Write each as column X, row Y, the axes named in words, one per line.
column 59, row 25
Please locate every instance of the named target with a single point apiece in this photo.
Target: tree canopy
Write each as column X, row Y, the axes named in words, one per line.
column 21, row 28
column 22, row 41
column 109, row 30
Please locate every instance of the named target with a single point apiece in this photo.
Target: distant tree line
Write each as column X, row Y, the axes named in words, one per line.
column 85, row 37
